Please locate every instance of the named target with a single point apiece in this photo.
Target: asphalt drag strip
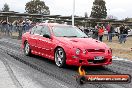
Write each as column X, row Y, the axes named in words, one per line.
column 28, row 77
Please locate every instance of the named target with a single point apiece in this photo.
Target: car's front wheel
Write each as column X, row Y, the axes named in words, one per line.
column 27, row 50
column 60, row 57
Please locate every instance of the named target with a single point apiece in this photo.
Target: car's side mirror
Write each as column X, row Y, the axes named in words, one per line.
column 46, row 36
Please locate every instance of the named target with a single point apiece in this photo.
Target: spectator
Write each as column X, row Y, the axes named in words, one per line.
column 121, row 33
column 28, row 24
column 20, row 27
column 9, row 28
column 125, row 33
column 95, row 32
column 86, row 31
column 111, row 33
column 102, row 26
column 15, row 25
column 108, row 30
column 5, row 26
column 24, row 26
column 101, row 33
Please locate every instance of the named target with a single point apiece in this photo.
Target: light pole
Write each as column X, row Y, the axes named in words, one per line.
column 73, row 13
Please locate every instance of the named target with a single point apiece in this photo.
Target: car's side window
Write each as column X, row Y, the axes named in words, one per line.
column 45, row 30
column 33, row 30
column 38, row 30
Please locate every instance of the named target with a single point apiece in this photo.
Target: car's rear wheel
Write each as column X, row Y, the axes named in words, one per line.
column 60, row 57
column 27, row 50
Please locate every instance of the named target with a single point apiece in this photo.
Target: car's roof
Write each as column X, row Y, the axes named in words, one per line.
column 53, row 24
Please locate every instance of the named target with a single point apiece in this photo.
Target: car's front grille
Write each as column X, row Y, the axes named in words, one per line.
column 96, row 50
column 97, row 61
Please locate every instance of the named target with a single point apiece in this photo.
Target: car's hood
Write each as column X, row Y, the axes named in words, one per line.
column 83, row 43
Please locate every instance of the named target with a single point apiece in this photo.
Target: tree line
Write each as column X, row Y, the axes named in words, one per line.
column 39, row 7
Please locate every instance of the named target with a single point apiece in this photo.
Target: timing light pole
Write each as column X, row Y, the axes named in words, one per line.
column 73, row 13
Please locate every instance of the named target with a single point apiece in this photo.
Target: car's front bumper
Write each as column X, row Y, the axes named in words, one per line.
column 89, row 61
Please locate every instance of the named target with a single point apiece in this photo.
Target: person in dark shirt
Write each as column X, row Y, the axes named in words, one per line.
column 110, row 32
column 95, row 32
column 125, row 33
column 10, row 28
column 122, row 28
column 5, row 26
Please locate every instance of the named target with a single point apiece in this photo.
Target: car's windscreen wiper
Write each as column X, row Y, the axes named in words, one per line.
column 84, row 37
column 68, row 36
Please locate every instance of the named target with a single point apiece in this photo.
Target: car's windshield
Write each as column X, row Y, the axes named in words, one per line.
column 68, row 31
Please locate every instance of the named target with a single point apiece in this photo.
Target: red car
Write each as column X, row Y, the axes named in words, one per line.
column 66, row 45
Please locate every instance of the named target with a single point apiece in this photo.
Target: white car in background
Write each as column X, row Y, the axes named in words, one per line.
column 118, row 31
column 130, row 32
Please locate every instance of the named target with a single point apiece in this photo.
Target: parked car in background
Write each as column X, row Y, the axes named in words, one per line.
column 66, row 45
column 118, row 31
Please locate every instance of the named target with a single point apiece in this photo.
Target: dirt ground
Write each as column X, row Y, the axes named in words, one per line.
column 123, row 50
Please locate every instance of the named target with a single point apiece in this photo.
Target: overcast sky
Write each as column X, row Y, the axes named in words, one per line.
column 119, row 8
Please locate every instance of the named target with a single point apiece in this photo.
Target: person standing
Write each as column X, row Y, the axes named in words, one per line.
column 9, row 30
column 121, row 33
column 5, row 26
column 101, row 33
column 108, row 30
column 95, row 32
column 20, row 26
column 125, row 33
column 111, row 33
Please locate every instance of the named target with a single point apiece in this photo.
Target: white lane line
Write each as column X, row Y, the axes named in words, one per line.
column 121, row 59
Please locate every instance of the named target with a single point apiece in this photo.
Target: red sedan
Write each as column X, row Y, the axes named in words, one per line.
column 66, row 45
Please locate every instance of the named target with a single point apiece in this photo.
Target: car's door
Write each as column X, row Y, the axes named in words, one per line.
column 45, row 42
column 34, row 37
column 32, row 40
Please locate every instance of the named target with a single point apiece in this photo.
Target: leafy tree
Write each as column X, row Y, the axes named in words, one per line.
column 99, row 9
column 5, row 8
column 37, row 7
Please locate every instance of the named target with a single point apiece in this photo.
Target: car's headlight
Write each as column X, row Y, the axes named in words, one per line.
column 78, row 51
